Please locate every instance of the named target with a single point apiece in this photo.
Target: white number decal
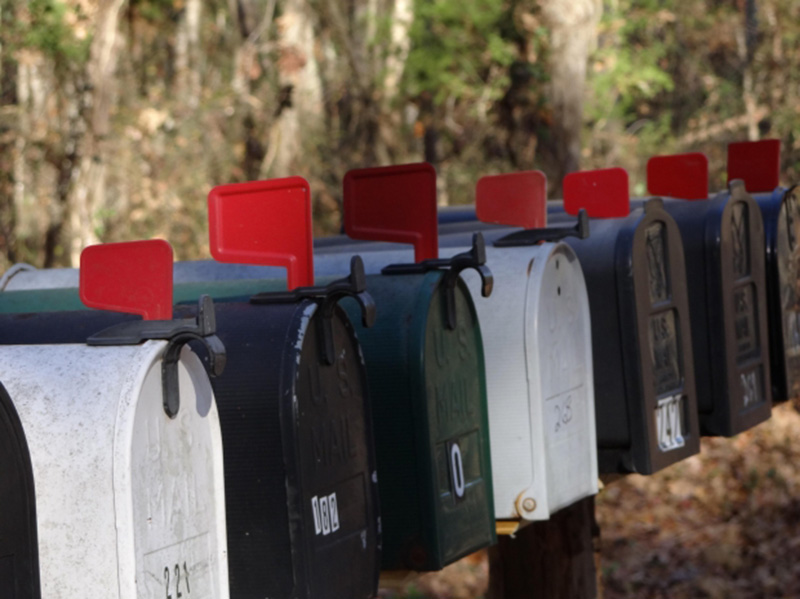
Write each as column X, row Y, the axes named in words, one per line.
column 668, row 423
column 457, row 471
column 326, row 514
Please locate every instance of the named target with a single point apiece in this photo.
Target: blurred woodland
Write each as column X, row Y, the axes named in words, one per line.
column 117, row 117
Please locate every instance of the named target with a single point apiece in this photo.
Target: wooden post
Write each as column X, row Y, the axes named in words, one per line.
column 553, row 559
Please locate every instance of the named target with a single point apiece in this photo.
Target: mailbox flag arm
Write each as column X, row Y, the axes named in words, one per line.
column 535, row 236
column 177, row 333
column 474, row 258
column 354, row 285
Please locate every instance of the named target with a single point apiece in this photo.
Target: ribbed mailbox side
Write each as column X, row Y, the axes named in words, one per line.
column 131, row 517
column 19, row 552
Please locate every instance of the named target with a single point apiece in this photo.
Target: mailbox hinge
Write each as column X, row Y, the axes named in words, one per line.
column 353, row 285
column 535, row 236
column 177, row 333
column 474, row 258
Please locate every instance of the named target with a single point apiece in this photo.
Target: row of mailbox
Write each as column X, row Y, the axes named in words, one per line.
column 231, row 450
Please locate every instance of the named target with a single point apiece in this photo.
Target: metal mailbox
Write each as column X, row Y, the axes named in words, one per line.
column 124, row 441
column 425, row 367
column 295, row 408
column 19, row 549
column 723, row 239
column 644, row 381
column 758, row 165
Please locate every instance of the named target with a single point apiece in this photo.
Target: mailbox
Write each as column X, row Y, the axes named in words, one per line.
column 633, row 262
column 758, row 165
column 19, row 550
column 723, row 240
column 425, row 367
column 124, row 442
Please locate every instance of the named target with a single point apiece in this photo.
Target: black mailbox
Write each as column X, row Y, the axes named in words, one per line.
column 19, row 551
column 645, row 397
column 723, row 239
column 781, row 211
column 758, row 165
column 301, row 484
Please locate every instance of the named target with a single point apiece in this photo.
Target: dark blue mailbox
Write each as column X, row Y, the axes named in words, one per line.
column 758, row 165
column 723, row 239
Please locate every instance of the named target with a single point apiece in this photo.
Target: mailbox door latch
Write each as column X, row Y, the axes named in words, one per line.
column 353, row 285
column 475, row 258
column 177, row 333
column 535, row 236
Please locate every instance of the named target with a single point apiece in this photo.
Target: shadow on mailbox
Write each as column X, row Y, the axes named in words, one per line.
column 128, row 485
column 19, row 551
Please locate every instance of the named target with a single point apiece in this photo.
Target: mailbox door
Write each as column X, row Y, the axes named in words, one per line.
column 19, row 556
column 537, row 344
column 744, row 310
column 429, row 403
column 176, row 487
column 92, row 433
column 335, row 471
column 666, row 429
column 454, row 387
column 781, row 212
column 559, row 341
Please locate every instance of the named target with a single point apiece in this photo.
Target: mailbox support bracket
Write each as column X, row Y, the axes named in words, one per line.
column 354, row 285
column 474, row 258
column 177, row 333
column 535, row 236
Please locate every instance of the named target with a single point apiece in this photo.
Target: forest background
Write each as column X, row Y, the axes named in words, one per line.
column 118, row 116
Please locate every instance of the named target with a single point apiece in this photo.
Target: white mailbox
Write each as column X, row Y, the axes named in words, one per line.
column 538, row 352
column 125, row 444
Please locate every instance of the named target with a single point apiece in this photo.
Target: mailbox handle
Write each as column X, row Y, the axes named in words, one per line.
column 474, row 258
column 535, row 236
column 178, row 333
column 353, row 285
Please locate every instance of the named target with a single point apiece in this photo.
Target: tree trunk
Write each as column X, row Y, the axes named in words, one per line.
column 573, row 35
column 9, row 117
column 88, row 193
column 553, row 559
column 300, row 119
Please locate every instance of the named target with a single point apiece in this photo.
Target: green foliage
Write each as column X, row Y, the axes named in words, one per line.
column 458, row 49
column 50, row 32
